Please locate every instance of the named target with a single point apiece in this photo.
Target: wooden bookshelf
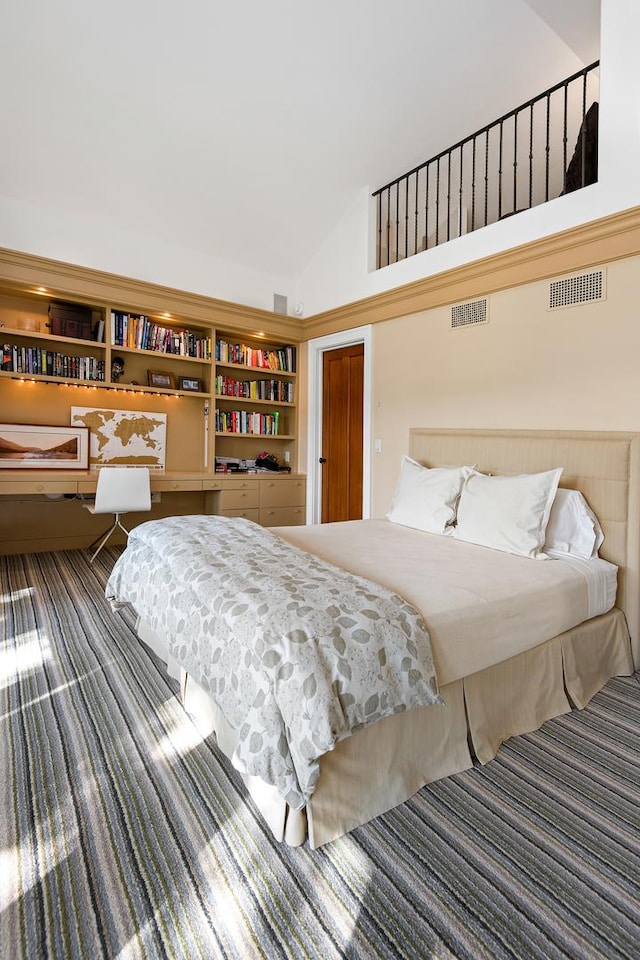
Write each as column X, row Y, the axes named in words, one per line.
column 44, row 374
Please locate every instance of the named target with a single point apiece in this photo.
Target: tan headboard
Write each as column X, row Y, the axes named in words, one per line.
column 605, row 467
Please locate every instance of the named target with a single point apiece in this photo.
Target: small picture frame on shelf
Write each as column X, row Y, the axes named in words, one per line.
column 190, row 383
column 43, row 447
column 159, row 378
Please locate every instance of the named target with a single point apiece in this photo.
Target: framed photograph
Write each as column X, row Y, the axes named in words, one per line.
column 190, row 383
column 158, row 378
column 40, row 447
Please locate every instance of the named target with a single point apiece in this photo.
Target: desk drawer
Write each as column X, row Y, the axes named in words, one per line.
column 284, row 492
column 239, row 483
column 13, row 487
column 282, row 516
column 251, row 513
column 212, row 484
column 238, row 499
column 172, row 486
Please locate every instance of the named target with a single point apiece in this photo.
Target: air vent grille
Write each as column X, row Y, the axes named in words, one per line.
column 469, row 314
column 570, row 291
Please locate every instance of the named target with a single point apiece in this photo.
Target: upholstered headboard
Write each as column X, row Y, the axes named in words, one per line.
column 605, row 467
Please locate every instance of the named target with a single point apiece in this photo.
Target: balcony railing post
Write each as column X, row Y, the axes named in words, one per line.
column 544, row 150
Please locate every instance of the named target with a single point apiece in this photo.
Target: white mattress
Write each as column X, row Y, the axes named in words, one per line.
column 481, row 606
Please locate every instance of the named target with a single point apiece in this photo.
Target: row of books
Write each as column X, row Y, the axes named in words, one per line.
column 48, row 363
column 244, row 421
column 138, row 331
column 281, row 358
column 280, row 391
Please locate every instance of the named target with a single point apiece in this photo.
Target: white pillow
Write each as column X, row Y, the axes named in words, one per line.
column 507, row 513
column 426, row 498
column 573, row 526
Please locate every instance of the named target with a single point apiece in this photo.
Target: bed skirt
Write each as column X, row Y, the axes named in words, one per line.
column 386, row 763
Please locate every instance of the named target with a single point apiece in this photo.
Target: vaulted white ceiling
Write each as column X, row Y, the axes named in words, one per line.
column 242, row 129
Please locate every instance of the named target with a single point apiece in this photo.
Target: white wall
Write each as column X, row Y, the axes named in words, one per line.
column 342, row 270
column 60, row 236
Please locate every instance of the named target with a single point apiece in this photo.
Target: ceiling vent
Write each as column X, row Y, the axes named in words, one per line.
column 585, row 288
column 469, row 314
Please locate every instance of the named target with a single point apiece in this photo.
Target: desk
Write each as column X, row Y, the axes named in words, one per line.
column 42, row 509
column 21, row 482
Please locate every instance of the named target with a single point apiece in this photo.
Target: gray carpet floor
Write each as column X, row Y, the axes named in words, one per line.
column 123, row 834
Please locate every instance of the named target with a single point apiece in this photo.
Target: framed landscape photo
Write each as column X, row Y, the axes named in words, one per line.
column 24, row 446
column 158, row 378
column 190, row 383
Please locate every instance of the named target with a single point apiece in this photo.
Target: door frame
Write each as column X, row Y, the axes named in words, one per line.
column 316, row 350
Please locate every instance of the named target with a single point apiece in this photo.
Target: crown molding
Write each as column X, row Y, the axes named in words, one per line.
column 614, row 237
column 24, row 272
column 611, row 238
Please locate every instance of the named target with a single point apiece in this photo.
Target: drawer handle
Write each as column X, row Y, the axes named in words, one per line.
column 40, row 486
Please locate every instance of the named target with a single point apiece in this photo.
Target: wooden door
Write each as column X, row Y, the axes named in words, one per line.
column 342, row 433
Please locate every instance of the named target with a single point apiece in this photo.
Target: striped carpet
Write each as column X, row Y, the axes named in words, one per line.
column 124, row 835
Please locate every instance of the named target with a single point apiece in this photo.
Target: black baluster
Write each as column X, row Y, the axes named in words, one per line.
column 531, row 155
column 515, row 162
column 460, row 191
column 449, row 195
column 438, row 202
column 486, row 178
column 415, row 214
column 473, row 185
column 426, row 210
column 548, row 168
column 500, row 143
column 406, row 218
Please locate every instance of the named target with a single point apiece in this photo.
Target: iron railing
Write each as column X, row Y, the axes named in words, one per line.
column 467, row 186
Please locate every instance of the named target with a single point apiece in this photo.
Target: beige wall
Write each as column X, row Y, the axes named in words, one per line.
column 574, row 368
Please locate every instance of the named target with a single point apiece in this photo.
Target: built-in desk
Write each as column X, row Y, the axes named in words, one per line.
column 42, row 509
column 84, row 481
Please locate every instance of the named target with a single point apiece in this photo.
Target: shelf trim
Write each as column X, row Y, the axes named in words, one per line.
column 50, row 338
column 100, row 384
column 159, row 353
column 263, row 370
column 256, row 436
column 252, row 401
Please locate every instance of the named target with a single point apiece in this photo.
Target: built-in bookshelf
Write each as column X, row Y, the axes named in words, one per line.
column 124, row 350
column 255, row 397
column 243, row 387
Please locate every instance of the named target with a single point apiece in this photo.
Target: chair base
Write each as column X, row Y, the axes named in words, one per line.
column 117, row 523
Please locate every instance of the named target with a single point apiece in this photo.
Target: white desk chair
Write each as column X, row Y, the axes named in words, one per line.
column 120, row 490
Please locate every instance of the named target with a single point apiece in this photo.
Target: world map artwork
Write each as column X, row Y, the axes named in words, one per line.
column 123, row 436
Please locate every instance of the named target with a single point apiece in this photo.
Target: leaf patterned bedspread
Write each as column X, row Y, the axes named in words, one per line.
column 296, row 652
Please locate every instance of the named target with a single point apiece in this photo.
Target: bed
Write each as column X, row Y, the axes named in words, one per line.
column 496, row 677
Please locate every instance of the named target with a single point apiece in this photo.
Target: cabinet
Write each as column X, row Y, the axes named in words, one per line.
column 271, row 501
column 282, row 501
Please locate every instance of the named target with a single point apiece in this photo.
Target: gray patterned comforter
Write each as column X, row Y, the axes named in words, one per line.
column 296, row 652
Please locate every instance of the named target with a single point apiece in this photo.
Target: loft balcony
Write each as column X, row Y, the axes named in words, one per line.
column 538, row 151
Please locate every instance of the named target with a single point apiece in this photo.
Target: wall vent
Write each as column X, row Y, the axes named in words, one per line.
column 469, row 314
column 570, row 291
column 280, row 303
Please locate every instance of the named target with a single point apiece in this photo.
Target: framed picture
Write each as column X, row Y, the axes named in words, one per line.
column 190, row 383
column 40, row 447
column 158, row 378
